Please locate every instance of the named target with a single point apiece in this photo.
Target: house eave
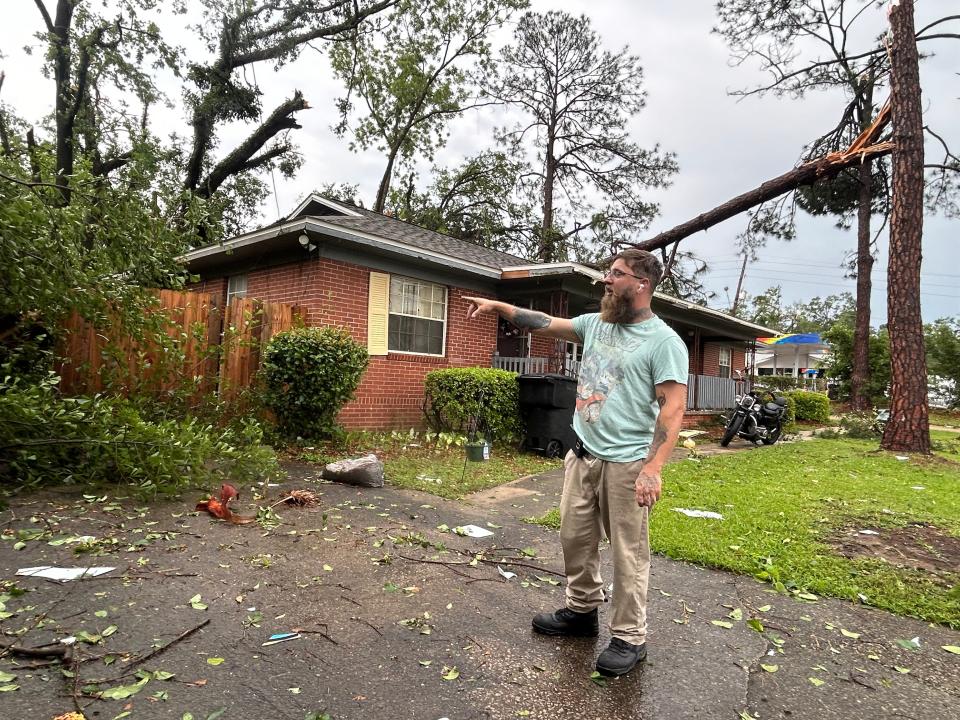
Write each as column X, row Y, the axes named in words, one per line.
column 277, row 236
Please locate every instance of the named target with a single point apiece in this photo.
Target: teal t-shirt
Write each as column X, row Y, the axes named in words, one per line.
column 616, row 397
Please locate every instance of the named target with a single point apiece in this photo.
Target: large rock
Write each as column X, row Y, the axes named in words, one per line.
column 366, row 471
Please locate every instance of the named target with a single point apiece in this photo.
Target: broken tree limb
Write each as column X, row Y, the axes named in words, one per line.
column 866, row 146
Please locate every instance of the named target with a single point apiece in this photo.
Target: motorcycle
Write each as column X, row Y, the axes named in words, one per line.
column 755, row 420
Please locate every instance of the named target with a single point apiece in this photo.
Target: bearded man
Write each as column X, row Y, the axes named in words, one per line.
column 631, row 395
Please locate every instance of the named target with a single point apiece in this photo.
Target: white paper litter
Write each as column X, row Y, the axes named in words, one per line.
column 474, row 531
column 700, row 513
column 690, row 433
column 63, row 574
column 506, row 574
column 902, row 457
column 868, row 532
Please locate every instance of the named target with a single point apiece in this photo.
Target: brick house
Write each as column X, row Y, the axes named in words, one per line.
column 399, row 290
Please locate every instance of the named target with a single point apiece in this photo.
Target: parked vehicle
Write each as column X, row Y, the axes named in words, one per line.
column 755, row 420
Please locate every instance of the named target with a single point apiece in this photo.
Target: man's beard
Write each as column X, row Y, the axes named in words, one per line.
column 617, row 308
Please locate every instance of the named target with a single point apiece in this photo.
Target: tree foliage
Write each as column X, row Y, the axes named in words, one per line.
column 840, row 363
column 576, row 100
column 942, row 341
column 421, row 70
column 817, row 315
column 476, row 201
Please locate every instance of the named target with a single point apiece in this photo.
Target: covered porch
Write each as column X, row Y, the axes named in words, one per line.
column 720, row 346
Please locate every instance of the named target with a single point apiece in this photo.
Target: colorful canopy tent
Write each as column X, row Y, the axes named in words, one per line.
column 802, row 351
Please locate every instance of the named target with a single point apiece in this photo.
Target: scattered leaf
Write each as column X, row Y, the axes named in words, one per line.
column 850, row 634
column 6, row 677
column 450, row 673
column 755, row 624
column 770, row 668
column 162, row 675
column 901, row 670
column 109, row 630
column 951, row 649
column 196, row 604
column 327, row 568
column 101, row 613
column 214, row 661
column 9, row 688
column 722, row 623
column 426, row 663
column 597, row 679
column 816, row 682
column 736, row 614
column 764, row 608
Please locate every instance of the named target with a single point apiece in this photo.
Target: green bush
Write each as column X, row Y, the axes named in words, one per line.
column 308, row 375
column 777, row 383
column 810, row 406
column 45, row 438
column 464, row 399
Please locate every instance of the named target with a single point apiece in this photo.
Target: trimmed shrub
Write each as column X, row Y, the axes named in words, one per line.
column 810, row 406
column 456, row 398
column 308, row 375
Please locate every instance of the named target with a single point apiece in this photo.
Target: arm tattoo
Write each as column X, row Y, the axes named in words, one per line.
column 530, row 319
column 659, row 438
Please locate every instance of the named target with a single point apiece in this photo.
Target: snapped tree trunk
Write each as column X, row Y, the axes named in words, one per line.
column 908, row 428
column 865, row 146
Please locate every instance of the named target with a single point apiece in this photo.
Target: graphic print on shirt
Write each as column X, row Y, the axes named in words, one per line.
column 600, row 374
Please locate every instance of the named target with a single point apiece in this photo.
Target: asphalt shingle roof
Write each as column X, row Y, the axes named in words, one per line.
column 373, row 223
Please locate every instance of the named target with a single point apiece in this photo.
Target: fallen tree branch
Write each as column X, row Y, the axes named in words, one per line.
column 866, row 146
column 163, row 648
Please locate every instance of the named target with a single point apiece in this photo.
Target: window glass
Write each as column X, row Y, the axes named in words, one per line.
column 418, row 312
column 236, row 286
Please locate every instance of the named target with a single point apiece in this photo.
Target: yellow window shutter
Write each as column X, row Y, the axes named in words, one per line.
column 378, row 313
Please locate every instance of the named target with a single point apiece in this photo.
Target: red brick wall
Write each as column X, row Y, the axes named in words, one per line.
column 330, row 292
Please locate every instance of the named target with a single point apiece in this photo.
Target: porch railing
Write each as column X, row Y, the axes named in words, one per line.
column 522, row 365
column 703, row 391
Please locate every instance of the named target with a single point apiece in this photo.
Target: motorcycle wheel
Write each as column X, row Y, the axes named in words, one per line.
column 733, row 427
column 773, row 435
column 554, row 449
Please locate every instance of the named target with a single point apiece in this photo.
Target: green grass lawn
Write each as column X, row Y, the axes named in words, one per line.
column 783, row 506
column 417, row 463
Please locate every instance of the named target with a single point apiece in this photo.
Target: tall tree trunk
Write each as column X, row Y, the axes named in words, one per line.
column 64, row 113
column 908, row 429
column 860, row 378
column 384, row 188
column 548, row 250
column 736, row 297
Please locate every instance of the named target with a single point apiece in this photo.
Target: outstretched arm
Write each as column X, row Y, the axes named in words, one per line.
column 531, row 320
column 672, row 398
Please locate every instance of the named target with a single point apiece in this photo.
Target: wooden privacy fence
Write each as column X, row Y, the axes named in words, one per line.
column 211, row 349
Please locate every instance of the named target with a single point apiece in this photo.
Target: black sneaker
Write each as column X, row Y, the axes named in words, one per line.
column 620, row 657
column 568, row 622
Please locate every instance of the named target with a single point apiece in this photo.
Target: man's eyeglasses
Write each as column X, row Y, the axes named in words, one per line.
column 617, row 274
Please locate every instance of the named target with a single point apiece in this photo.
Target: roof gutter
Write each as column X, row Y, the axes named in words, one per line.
column 333, row 230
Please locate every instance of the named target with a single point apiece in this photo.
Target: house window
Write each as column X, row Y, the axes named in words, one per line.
column 725, row 361
column 418, row 316
column 236, row 287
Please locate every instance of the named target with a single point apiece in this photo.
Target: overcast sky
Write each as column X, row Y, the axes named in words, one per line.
column 723, row 146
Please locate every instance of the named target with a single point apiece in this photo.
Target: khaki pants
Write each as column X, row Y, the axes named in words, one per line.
column 599, row 498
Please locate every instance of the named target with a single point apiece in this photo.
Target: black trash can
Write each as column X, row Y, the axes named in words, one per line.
column 547, row 405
